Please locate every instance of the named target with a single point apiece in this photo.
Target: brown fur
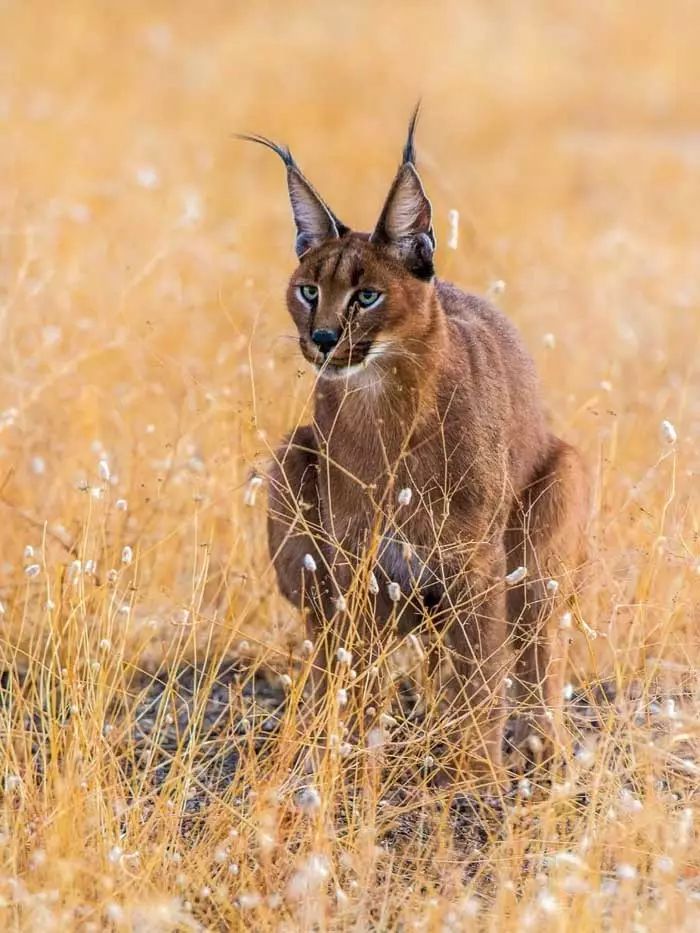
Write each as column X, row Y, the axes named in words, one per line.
column 450, row 409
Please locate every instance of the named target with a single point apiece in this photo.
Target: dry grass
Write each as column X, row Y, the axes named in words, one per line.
column 142, row 264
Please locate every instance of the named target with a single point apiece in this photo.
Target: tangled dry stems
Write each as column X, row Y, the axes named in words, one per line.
column 152, row 678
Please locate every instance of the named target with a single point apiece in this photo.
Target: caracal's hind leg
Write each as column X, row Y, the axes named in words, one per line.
column 545, row 535
column 474, row 614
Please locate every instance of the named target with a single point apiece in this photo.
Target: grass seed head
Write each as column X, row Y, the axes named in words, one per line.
column 668, row 432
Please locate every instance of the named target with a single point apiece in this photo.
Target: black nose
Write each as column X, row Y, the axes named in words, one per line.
column 324, row 339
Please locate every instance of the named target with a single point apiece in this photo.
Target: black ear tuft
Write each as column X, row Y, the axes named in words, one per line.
column 282, row 151
column 314, row 220
column 405, row 226
column 409, row 150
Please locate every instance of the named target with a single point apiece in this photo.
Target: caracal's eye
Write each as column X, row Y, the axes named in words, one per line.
column 367, row 297
column 309, row 293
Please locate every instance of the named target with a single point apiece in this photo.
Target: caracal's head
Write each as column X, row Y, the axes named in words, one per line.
column 357, row 298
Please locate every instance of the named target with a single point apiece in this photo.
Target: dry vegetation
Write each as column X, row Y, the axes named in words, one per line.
column 150, row 674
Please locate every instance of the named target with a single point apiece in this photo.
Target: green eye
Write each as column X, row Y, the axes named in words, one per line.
column 367, row 297
column 309, row 293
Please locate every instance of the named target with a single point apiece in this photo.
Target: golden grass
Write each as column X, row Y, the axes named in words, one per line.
column 143, row 259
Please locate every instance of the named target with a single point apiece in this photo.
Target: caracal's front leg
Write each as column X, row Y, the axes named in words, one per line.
column 304, row 556
column 317, row 577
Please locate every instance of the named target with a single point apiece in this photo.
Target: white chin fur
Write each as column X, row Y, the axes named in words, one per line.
column 347, row 372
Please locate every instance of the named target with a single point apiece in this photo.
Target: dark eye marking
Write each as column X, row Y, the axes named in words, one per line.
column 356, row 274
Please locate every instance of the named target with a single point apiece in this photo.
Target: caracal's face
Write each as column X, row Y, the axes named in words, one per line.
column 352, row 305
column 358, row 298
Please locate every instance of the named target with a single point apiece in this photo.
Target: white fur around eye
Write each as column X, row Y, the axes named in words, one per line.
column 305, row 301
column 375, row 304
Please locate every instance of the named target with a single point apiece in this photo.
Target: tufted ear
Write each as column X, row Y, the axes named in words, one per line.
column 405, row 226
column 315, row 221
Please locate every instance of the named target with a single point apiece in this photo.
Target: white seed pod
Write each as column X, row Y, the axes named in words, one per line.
column 309, row 563
column 552, row 586
column 373, row 585
column 114, row 912
column 28, row 552
column 549, row 340
column 417, row 646
column 342, row 697
column 32, row 570
column 343, row 656
column 405, row 496
column 630, row 803
column 453, row 236
column 307, row 647
column 127, row 555
column 308, row 800
column 115, row 855
column 565, row 621
column 251, row 490
column 376, row 738
column 547, row 903
column 668, row 433
column 103, row 470
column 122, row 505
column 147, row 176
column 516, row 576
column 394, row 592
column 340, row 603
column 311, row 875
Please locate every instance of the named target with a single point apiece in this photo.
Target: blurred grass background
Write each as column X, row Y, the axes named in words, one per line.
column 144, row 254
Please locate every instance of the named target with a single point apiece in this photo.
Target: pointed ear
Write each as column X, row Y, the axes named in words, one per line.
column 315, row 221
column 405, row 226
